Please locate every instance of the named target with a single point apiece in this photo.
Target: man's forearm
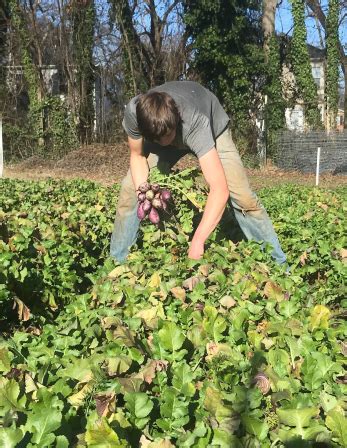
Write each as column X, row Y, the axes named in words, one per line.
column 139, row 169
column 213, row 213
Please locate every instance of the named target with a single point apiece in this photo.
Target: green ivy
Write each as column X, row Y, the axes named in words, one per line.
column 302, row 67
column 276, row 104
column 48, row 128
column 30, row 73
column 83, row 17
column 333, row 60
column 228, row 56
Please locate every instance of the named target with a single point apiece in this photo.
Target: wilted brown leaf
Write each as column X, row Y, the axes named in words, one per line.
column 273, row 291
column 179, row 293
column 105, row 403
column 205, row 269
column 227, row 302
column 22, row 309
column 191, row 282
column 303, row 258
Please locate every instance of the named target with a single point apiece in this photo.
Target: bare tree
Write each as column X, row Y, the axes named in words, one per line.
column 148, row 29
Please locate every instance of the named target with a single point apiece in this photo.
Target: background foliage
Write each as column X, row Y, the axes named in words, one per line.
column 106, row 52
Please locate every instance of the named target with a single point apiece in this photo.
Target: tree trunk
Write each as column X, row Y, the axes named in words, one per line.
column 268, row 23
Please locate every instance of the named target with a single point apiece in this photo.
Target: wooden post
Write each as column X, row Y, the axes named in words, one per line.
column 317, row 167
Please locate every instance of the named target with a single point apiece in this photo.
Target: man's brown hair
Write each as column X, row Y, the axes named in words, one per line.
column 157, row 115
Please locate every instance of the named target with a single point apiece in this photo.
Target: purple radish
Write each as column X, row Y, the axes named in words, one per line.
column 157, row 203
column 144, row 187
column 149, row 195
column 147, row 206
column 166, row 195
column 155, row 188
column 140, row 212
column 141, row 197
column 154, row 216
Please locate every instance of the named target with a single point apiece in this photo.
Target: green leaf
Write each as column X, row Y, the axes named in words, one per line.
column 316, row 368
column 214, row 404
column 100, row 435
column 5, row 359
column 62, row 442
column 337, row 423
column 172, row 407
column 225, row 440
column 138, row 403
column 9, row 437
column 182, row 379
column 256, row 427
column 279, row 360
column 288, row 308
column 9, row 393
column 79, row 369
column 118, row 365
column 328, row 402
column 44, row 417
column 171, row 337
column 214, row 324
column 294, row 349
column 299, row 418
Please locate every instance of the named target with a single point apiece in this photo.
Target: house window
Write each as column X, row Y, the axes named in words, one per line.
column 317, row 75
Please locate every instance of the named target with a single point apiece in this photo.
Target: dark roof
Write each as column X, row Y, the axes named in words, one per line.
column 315, row 52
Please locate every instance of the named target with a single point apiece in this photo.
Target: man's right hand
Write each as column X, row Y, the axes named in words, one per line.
column 138, row 162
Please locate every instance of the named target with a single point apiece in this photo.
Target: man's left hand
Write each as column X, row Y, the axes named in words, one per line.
column 196, row 250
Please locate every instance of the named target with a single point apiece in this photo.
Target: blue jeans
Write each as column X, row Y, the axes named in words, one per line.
column 249, row 212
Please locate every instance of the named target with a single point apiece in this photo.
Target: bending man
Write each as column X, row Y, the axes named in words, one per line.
column 162, row 126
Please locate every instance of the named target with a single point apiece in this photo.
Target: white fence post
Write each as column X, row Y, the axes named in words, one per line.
column 317, row 167
column 1, row 150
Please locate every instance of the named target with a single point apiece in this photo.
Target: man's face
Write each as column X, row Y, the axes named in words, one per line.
column 167, row 139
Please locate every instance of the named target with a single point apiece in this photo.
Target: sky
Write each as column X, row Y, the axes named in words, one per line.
column 284, row 23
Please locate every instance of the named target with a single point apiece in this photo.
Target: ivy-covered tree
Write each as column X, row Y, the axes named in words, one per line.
column 333, row 62
column 276, row 105
column 31, row 70
column 301, row 66
column 317, row 10
column 83, row 20
column 4, row 21
column 273, row 92
column 228, row 55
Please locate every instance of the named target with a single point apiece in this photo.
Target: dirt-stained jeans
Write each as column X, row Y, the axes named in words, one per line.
column 250, row 214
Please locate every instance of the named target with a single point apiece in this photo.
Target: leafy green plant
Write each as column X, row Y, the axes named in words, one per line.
column 249, row 357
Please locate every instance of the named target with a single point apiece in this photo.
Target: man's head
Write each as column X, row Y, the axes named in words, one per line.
column 157, row 117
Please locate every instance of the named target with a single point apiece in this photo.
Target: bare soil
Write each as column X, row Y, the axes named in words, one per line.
column 107, row 164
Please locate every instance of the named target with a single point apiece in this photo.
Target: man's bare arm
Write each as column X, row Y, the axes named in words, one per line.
column 138, row 162
column 213, row 172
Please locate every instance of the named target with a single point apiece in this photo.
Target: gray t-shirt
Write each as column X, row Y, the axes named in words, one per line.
column 203, row 117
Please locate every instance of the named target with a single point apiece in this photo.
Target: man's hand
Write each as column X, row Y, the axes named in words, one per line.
column 196, row 250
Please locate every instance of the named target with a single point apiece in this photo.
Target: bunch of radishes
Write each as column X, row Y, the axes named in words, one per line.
column 151, row 199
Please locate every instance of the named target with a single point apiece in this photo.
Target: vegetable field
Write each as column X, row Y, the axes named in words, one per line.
column 96, row 354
